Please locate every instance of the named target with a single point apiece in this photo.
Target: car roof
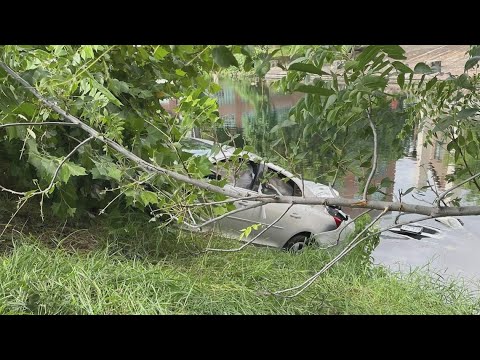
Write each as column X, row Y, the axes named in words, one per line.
column 200, row 147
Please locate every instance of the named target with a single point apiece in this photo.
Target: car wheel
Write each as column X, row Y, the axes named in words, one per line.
column 297, row 242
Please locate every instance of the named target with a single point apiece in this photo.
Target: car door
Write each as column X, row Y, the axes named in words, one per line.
column 269, row 182
column 268, row 214
column 233, row 225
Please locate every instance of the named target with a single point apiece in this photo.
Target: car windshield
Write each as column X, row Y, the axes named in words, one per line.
column 241, row 176
column 275, row 183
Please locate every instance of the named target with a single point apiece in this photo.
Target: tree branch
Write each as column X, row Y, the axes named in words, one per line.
column 232, row 200
column 256, row 236
column 454, row 139
column 252, row 206
column 38, row 123
column 57, row 170
column 352, row 221
column 442, row 195
column 19, row 207
column 236, row 193
column 345, row 251
column 374, row 159
column 11, row 191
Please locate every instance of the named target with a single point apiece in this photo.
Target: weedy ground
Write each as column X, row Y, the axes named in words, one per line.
column 122, row 264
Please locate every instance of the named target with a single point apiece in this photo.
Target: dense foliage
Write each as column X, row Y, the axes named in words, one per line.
column 119, row 91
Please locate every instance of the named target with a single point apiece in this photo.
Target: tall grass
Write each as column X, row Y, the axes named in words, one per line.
column 137, row 269
column 126, row 266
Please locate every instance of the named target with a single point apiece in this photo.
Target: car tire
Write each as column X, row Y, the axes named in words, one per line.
column 297, row 243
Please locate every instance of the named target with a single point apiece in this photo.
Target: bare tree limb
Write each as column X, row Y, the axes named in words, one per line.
column 252, row 206
column 347, row 249
column 454, row 139
column 38, row 124
column 11, row 191
column 442, row 195
column 352, row 221
column 374, row 159
column 231, row 200
column 21, row 203
column 255, row 237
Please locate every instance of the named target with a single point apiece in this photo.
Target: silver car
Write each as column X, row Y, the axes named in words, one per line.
column 300, row 225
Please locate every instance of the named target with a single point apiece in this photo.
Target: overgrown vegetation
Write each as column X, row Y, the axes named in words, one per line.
column 120, row 265
column 133, row 266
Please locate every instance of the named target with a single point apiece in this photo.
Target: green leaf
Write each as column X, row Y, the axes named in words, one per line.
column 160, row 53
column 350, row 65
column 70, row 169
column 430, row 83
column 214, row 88
column 408, row 191
column 386, row 182
column 474, row 50
column 367, row 55
column 200, row 165
column 394, row 51
column 466, row 113
column 308, row 68
column 27, row 108
column 180, row 72
column 76, row 59
column 422, row 68
column 286, row 123
column 114, row 173
column 87, row 52
column 464, row 82
column 374, row 82
column 401, row 67
column 421, row 81
column 75, row 170
column 248, row 64
column 219, row 210
column 401, row 80
column 314, row 89
column 248, row 230
column 471, row 62
column 330, row 101
column 118, row 86
column 224, row 57
column 262, row 67
column 248, row 50
column 472, row 149
column 148, row 197
column 453, row 146
column 105, row 92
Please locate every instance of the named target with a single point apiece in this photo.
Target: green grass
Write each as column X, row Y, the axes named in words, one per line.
column 124, row 265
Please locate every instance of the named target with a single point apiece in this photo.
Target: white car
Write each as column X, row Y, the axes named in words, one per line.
column 302, row 224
